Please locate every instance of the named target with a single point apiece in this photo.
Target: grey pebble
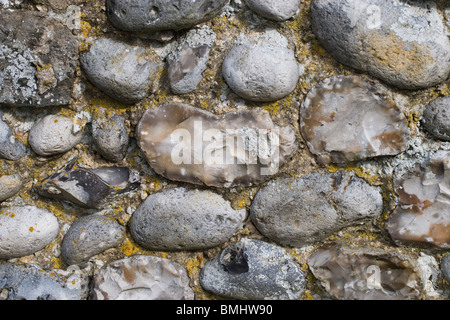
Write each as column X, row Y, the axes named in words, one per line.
column 261, row 68
column 403, row 43
column 9, row 186
column 89, row 236
column 274, row 10
column 436, row 118
column 183, row 219
column 186, row 64
column 110, row 137
column 300, row 211
column 10, row 147
column 25, row 230
column 53, row 135
column 142, row 278
column 254, row 270
column 30, row 282
column 445, row 267
column 148, row 16
column 122, row 71
column 38, row 60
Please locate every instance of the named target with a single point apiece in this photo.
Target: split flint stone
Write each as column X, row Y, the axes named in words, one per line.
column 188, row 61
column 303, row 210
column 38, row 60
column 88, row 188
column 30, row 282
column 89, row 236
column 25, row 230
column 142, row 277
column 253, row 269
column 122, row 71
column 403, row 43
column 149, row 16
column 445, row 267
column 183, row 219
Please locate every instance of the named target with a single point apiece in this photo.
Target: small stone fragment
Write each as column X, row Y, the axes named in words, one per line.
column 25, row 230
column 188, row 62
column 182, row 219
column 403, row 43
column 142, row 278
column 88, row 188
column 122, row 71
column 110, row 136
column 346, row 118
column 89, row 236
column 349, row 272
column 262, row 68
column 445, row 267
column 53, row 135
column 9, row 186
column 38, row 60
column 436, row 118
column 29, row 282
column 149, row 16
column 303, row 210
column 422, row 215
column 10, row 147
column 274, row 10
column 183, row 143
column 253, row 270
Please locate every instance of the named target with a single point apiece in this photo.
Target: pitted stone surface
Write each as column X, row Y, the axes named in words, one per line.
column 159, row 15
column 436, row 118
column 182, row 219
column 304, row 210
column 255, row 270
column 142, row 278
column 403, row 43
column 38, row 60
column 346, row 119
column 89, row 236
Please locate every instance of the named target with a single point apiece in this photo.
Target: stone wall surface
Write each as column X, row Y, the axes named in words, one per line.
column 242, row 149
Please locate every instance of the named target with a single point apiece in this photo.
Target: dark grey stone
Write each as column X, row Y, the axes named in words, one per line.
column 182, row 219
column 148, row 16
column 89, row 236
column 445, row 267
column 436, row 118
column 253, row 269
column 122, row 71
column 110, row 137
column 303, row 210
column 10, row 147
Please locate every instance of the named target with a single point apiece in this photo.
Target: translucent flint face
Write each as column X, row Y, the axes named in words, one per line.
column 183, row 143
column 365, row 273
column 422, row 216
column 346, row 118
